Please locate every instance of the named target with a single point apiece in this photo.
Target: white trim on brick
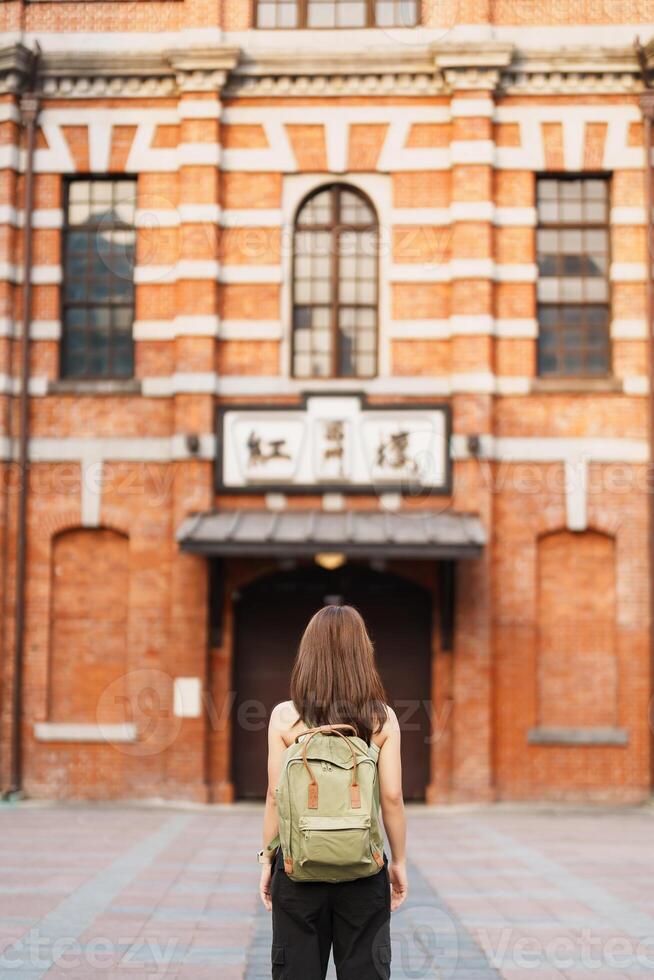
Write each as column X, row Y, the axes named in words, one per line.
column 628, row 216
column 42, row 275
column 419, row 329
column 199, row 109
column 49, row 731
column 251, row 330
column 9, row 112
column 516, row 328
column 553, row 449
column 250, row 274
column 472, row 151
column 472, row 107
column 198, row 154
column 636, row 385
column 252, row 218
column 180, row 383
column 537, row 449
column 420, row 216
column 191, row 214
column 464, row 325
column 10, row 157
column 512, row 385
column 420, row 272
column 515, row 272
column 628, row 272
column 473, row 325
column 472, row 211
column 181, row 326
column 471, row 269
column 629, row 329
column 516, row 217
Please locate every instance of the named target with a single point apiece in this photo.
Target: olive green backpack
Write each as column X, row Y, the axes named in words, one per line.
column 328, row 803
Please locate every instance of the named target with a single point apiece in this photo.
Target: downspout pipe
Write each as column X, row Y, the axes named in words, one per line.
column 29, row 110
column 647, row 109
column 647, row 106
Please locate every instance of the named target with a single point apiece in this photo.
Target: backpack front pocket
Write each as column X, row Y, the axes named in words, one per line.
column 335, row 841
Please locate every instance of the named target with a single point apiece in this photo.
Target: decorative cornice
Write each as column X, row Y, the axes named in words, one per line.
column 573, row 71
column 406, row 70
column 386, row 83
column 199, row 70
column 440, row 69
column 402, row 69
column 15, row 62
column 97, row 74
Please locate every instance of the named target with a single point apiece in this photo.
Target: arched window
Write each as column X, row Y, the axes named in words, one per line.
column 335, row 285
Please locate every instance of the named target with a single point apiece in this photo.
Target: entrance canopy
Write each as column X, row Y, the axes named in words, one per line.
column 356, row 534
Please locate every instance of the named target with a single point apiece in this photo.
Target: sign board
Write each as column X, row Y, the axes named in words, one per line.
column 334, row 443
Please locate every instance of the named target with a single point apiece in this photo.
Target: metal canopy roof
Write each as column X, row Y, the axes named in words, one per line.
column 363, row 534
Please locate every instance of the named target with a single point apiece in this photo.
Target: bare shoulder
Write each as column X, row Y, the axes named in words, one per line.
column 285, row 722
column 391, row 726
column 283, row 716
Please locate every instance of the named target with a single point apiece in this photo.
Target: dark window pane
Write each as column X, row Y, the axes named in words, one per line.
column 573, row 263
column 572, row 316
column 548, row 340
column 597, row 315
column 99, row 275
column 547, row 362
column 123, row 355
column 547, row 265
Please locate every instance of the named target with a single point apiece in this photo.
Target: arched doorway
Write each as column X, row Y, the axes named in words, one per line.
column 270, row 615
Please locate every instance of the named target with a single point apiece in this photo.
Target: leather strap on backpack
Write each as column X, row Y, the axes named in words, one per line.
column 355, row 793
column 326, row 728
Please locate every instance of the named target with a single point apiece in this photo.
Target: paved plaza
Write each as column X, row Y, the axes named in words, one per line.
column 519, row 893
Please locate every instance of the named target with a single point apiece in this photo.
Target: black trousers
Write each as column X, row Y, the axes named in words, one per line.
column 310, row 917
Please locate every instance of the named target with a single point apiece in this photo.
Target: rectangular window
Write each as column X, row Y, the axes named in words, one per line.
column 98, row 290
column 319, row 14
column 573, row 276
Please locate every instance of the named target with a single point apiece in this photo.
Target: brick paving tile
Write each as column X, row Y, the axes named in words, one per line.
column 512, row 893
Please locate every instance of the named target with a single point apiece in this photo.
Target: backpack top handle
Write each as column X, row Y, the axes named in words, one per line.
column 355, row 793
column 326, row 729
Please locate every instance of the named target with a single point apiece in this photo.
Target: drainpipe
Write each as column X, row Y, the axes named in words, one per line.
column 647, row 106
column 29, row 109
column 647, row 109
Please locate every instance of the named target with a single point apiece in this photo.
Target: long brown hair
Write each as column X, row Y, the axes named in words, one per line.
column 335, row 678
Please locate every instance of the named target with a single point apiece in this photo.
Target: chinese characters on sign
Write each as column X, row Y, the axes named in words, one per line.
column 334, row 441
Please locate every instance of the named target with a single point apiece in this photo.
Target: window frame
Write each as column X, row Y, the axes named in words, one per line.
column 570, row 177
column 302, row 7
column 64, row 304
column 335, row 229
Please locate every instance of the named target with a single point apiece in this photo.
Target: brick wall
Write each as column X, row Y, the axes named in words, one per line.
column 551, row 624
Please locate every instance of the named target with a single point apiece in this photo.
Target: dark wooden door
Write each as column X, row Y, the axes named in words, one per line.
column 270, row 617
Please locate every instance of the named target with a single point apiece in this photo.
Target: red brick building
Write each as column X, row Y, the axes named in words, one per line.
column 327, row 301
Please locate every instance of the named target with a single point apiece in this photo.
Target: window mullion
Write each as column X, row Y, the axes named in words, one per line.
column 336, row 293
